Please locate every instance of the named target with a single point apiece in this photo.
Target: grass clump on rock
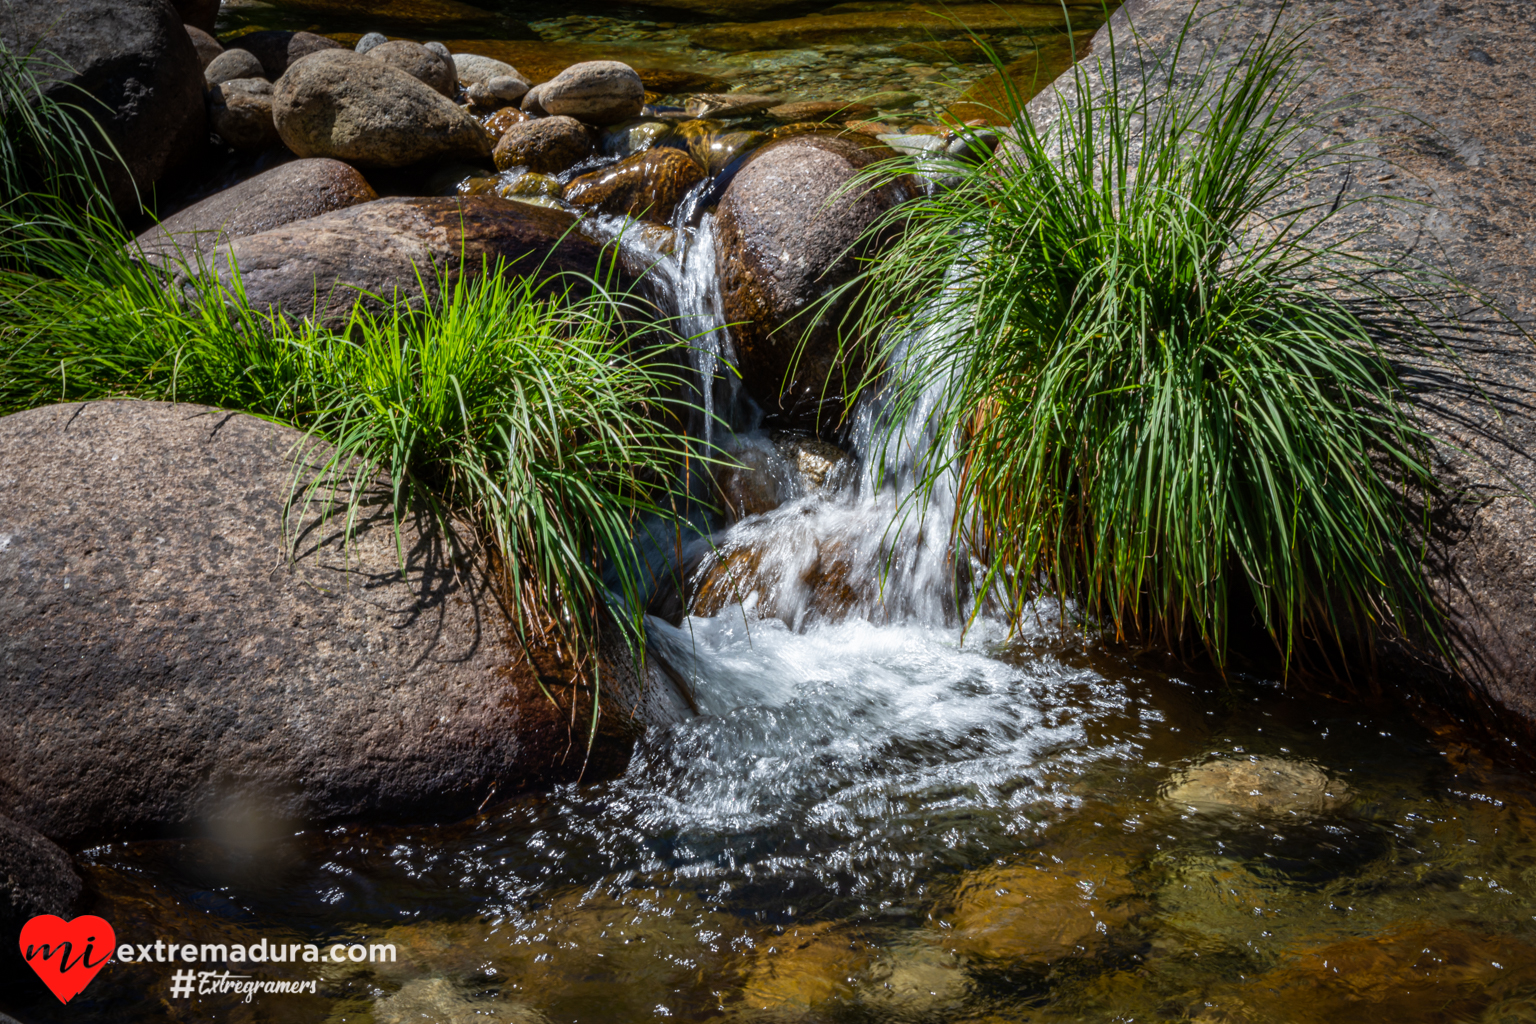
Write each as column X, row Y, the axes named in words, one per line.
column 532, row 409
column 1168, row 398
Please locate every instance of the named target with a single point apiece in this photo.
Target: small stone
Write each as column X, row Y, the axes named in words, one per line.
column 1481, row 57
column 232, row 64
column 439, row 49
column 497, row 91
column 819, row 110
column 496, row 124
column 548, row 145
column 471, row 68
column 370, row 40
column 206, row 46
column 633, row 136
column 648, row 185
column 890, row 100
column 240, row 111
column 596, row 92
column 418, row 62
column 1272, row 785
column 728, row 104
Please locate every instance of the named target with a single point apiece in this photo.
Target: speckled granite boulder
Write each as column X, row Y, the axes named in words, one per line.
column 546, row 146
column 164, row 660
column 420, row 63
column 296, row 190
column 1436, row 100
column 594, row 92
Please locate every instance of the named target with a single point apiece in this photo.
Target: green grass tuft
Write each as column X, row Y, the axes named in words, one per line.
column 1171, row 399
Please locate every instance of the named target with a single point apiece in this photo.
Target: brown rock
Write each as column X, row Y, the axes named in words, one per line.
column 240, row 111
column 418, row 62
column 596, row 92
column 804, row 966
column 355, row 108
column 316, row 267
column 546, row 146
column 820, row 110
column 1264, row 785
column 648, row 185
column 496, row 124
column 1041, row 911
column 671, row 82
column 294, row 191
column 278, row 50
column 470, row 68
column 206, row 46
column 783, row 244
column 163, row 653
column 232, row 64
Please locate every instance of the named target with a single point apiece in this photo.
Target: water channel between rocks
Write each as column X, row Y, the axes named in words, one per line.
column 875, row 819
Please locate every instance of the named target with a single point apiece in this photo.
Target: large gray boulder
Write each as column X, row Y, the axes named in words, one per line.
column 348, row 105
column 787, row 237
column 387, row 248
column 137, row 61
column 1434, row 101
column 296, row 190
column 165, row 664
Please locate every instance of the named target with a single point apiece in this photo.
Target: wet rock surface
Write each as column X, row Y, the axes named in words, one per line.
column 784, row 243
column 134, row 57
column 164, row 654
column 353, row 107
column 296, row 190
column 548, row 145
column 1264, row 785
column 648, row 185
column 317, row 267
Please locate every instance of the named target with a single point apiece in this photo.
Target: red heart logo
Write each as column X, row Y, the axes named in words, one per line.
column 63, row 953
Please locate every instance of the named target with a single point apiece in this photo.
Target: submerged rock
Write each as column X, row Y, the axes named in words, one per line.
column 729, row 104
column 548, row 145
column 419, row 62
column 240, row 111
column 1272, row 785
column 136, row 59
column 716, row 152
column 648, row 185
column 633, row 136
column 353, row 107
column 784, row 243
column 820, row 110
column 161, row 650
column 318, row 267
column 440, row 1001
column 296, row 190
column 596, row 92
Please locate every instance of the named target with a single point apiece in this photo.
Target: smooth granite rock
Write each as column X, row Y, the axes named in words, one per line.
column 353, row 107
column 314, row 268
column 240, row 112
column 419, row 62
column 175, row 656
column 785, row 240
column 599, row 92
column 296, row 190
column 231, row 64
column 1435, row 102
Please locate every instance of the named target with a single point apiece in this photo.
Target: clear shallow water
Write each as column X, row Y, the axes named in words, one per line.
column 879, row 823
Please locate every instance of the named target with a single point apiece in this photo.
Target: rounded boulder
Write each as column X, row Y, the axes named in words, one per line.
column 278, row 50
column 352, row 107
column 177, row 654
column 789, row 233
column 419, row 62
column 233, row 64
column 599, row 92
column 240, row 111
column 548, row 145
